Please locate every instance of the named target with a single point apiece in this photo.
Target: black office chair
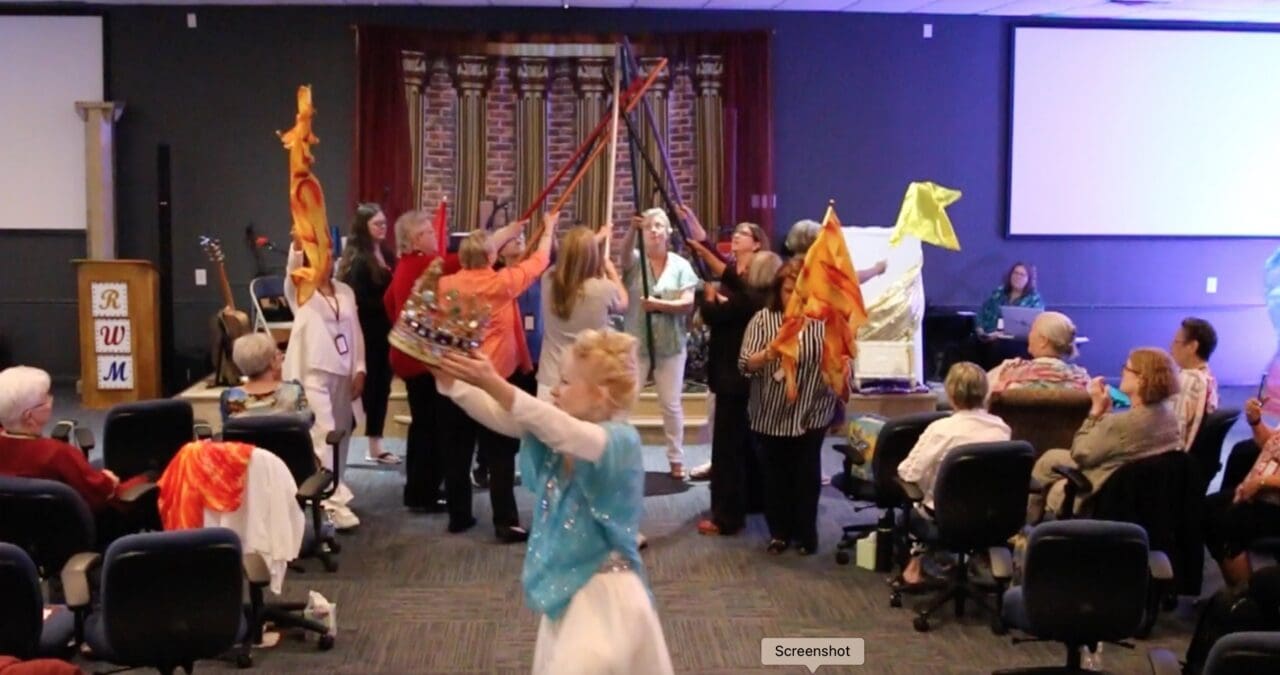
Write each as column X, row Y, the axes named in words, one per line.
column 1244, row 653
column 24, row 633
column 893, row 444
column 1084, row 582
column 141, row 438
column 47, row 519
column 168, row 599
column 289, row 438
column 980, row 501
column 1206, row 449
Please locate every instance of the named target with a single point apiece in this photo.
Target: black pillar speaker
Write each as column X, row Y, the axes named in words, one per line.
column 172, row 379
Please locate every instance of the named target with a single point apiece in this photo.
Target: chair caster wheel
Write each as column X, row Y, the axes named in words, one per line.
column 998, row 627
column 244, row 661
column 335, row 547
column 895, row 599
column 326, row 642
column 842, row 557
column 921, row 624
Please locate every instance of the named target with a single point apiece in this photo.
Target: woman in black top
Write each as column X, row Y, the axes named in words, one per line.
column 364, row 267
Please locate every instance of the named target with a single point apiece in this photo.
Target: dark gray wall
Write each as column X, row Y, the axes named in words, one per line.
column 863, row 106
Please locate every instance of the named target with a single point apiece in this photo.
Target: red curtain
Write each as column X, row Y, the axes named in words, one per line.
column 748, row 131
column 383, row 156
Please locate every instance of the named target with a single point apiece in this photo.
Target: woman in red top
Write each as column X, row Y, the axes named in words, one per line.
column 417, row 249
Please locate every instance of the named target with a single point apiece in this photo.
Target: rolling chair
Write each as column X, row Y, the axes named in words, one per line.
column 141, row 438
column 168, row 599
column 893, row 444
column 47, row 519
column 980, row 501
column 24, row 632
column 289, row 438
column 1206, row 449
column 1085, row 583
column 1045, row 418
column 1244, row 653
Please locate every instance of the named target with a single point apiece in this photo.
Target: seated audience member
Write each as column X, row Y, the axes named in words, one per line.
column 1107, row 440
column 1197, row 389
column 966, row 386
column 263, row 393
column 1051, row 342
column 1234, row 518
column 1018, row 290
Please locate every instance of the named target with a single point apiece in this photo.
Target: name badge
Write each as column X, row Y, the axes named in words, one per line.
column 530, row 323
column 779, row 375
column 341, row 343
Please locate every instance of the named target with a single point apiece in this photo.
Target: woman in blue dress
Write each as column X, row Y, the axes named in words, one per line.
column 582, row 460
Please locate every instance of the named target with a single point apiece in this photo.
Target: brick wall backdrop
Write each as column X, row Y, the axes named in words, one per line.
column 439, row 138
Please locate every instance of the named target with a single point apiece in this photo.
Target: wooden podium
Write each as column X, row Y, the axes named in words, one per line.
column 119, row 331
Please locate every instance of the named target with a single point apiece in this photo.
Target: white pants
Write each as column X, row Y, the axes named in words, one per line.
column 329, row 396
column 668, row 380
column 610, row 628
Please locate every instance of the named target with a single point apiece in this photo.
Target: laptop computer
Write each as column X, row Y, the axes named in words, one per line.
column 1018, row 320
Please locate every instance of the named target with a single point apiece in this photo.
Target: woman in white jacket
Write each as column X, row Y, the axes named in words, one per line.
column 326, row 354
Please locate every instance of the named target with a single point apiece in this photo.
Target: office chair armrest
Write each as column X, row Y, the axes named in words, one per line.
column 1075, row 477
column 1001, row 563
column 75, row 579
column 255, row 569
column 135, row 492
column 335, row 437
column 1163, row 662
column 1161, row 568
column 314, row 486
column 913, row 491
column 85, row 439
column 62, row 430
column 203, row 430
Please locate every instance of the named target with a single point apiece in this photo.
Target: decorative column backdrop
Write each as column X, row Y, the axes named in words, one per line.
column 414, row 68
column 657, row 99
column 532, row 75
column 471, row 78
column 589, row 85
column 709, row 117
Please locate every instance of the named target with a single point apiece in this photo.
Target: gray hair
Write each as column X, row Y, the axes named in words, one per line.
column 254, row 353
column 21, row 389
column 407, row 226
column 658, row 216
column 966, row 386
column 802, row 236
column 1059, row 331
column 762, row 269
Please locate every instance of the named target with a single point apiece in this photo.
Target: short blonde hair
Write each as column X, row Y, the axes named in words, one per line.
column 254, row 353
column 802, row 236
column 407, row 227
column 658, row 216
column 608, row 358
column 21, row 389
column 475, row 252
column 762, row 269
column 1157, row 375
column 966, row 386
column 1059, row 331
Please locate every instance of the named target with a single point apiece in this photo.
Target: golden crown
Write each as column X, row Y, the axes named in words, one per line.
column 430, row 325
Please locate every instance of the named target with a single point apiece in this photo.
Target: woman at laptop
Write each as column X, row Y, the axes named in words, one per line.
column 1018, row 290
column 1051, row 343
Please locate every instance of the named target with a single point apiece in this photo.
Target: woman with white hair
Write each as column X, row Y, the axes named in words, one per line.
column 264, row 391
column 667, row 305
column 1051, row 342
column 801, row 237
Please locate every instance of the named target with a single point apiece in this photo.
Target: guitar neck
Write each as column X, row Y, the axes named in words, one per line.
column 227, row 298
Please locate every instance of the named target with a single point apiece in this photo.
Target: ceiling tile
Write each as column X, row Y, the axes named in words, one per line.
column 1037, row 7
column 741, row 4
column 601, row 4
column 525, row 3
column 886, row 6
column 959, row 6
column 670, row 4
column 813, row 5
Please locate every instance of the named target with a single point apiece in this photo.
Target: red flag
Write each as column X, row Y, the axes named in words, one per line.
column 442, row 229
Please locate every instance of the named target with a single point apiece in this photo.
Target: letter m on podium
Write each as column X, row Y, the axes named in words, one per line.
column 115, row 372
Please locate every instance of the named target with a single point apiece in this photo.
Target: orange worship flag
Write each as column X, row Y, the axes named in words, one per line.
column 827, row 290
column 306, row 201
column 204, row 474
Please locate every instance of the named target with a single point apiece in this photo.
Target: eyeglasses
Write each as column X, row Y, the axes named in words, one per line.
column 1129, row 369
column 48, row 401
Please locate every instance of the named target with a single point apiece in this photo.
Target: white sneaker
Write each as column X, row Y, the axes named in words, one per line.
column 342, row 516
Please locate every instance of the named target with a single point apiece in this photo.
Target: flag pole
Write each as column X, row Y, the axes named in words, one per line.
column 612, row 170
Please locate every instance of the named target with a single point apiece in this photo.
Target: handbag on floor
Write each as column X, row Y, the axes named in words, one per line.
column 1254, row 606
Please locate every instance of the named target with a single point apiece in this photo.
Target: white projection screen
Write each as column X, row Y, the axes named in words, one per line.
column 47, row 63
column 1143, row 132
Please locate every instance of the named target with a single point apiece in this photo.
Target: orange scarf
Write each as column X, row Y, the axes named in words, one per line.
column 204, row 474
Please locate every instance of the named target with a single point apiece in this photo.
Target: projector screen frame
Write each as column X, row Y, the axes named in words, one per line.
column 1100, row 24
column 56, row 12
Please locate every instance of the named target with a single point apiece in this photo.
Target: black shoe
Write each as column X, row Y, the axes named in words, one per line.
column 511, row 534
column 439, row 506
column 455, row 526
column 776, row 546
column 479, row 478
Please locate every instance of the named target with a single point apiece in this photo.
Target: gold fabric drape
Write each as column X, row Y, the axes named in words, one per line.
column 414, row 69
column 471, row 77
column 709, row 138
column 589, row 85
column 533, row 74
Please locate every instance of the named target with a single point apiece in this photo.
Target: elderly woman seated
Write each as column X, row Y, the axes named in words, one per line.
column 966, row 387
column 1051, row 342
column 263, row 393
column 1107, row 440
column 26, row 405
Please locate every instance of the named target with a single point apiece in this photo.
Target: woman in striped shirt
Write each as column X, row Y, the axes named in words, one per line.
column 788, row 433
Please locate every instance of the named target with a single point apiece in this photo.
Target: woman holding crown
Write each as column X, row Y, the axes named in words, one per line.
column 583, row 462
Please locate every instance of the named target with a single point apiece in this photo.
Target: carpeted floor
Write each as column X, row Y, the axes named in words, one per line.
column 413, row 599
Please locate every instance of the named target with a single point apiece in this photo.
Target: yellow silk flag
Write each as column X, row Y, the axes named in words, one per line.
column 827, row 290
column 306, row 201
column 924, row 214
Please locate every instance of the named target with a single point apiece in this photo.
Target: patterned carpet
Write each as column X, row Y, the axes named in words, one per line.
column 414, row 599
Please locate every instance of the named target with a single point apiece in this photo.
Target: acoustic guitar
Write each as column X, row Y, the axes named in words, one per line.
column 227, row 324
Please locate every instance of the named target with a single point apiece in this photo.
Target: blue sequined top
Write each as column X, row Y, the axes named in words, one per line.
column 579, row 520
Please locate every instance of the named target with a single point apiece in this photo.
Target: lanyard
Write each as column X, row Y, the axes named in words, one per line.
column 334, row 306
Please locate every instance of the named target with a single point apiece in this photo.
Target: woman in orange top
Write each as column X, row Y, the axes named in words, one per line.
column 504, row 345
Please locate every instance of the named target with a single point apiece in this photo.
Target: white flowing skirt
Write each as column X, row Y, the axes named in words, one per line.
column 610, row 628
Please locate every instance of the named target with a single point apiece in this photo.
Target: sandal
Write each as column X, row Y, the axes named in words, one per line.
column 385, row 457
column 708, row 526
column 776, row 546
column 677, row 472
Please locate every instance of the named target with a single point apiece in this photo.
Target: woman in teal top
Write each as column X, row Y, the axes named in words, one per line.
column 582, row 460
column 1018, row 290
